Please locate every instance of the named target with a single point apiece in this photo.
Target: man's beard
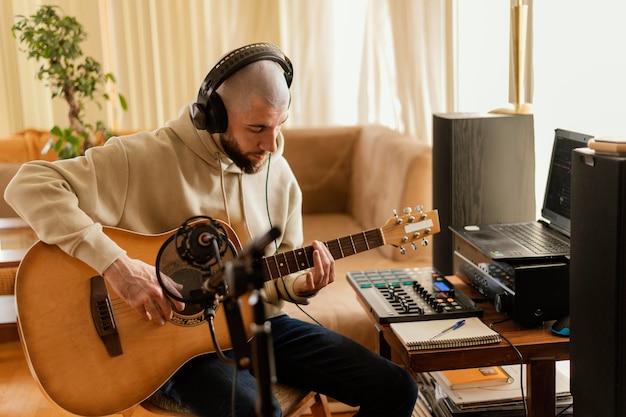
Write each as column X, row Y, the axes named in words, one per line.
column 232, row 149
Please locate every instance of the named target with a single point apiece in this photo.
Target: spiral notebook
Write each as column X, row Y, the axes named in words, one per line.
column 419, row 335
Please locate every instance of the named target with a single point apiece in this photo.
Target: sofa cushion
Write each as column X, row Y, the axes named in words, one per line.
column 321, row 160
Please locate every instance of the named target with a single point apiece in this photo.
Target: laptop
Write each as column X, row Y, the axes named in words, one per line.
column 547, row 237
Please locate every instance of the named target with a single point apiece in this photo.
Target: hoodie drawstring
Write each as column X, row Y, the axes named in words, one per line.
column 219, row 159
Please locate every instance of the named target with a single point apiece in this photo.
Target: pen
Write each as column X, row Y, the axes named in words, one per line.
column 449, row 329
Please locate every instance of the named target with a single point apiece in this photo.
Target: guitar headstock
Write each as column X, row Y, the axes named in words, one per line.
column 412, row 229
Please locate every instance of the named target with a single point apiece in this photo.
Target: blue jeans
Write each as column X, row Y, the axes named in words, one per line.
column 307, row 356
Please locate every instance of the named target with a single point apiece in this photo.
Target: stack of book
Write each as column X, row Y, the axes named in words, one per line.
column 495, row 393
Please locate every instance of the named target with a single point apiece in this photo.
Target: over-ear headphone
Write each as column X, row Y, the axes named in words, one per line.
column 208, row 111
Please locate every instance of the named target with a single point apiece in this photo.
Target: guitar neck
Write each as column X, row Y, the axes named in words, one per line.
column 300, row 259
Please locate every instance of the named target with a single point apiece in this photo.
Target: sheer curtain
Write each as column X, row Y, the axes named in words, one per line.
column 162, row 50
column 355, row 61
column 404, row 78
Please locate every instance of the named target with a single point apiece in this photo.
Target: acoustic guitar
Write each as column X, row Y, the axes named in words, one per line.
column 90, row 352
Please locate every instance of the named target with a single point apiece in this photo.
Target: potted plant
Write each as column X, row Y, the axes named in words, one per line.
column 54, row 39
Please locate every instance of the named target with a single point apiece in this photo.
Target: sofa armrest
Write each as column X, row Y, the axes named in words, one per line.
column 390, row 171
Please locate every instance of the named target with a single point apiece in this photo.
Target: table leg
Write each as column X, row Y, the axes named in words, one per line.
column 382, row 347
column 541, row 387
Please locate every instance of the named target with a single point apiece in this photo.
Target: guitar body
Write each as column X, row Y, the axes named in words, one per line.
column 96, row 358
column 62, row 346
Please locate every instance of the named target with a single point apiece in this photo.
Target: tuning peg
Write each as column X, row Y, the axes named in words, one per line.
column 402, row 250
column 413, row 246
column 425, row 242
column 419, row 208
column 398, row 219
column 408, row 211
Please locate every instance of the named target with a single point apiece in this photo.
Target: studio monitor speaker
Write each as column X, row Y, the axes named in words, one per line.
column 598, row 284
column 483, row 172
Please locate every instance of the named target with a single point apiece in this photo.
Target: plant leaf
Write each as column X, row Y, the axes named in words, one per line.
column 123, row 102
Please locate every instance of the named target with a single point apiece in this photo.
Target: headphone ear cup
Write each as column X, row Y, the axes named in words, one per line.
column 216, row 115
column 198, row 116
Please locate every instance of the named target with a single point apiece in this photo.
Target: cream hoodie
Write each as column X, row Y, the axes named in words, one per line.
column 151, row 182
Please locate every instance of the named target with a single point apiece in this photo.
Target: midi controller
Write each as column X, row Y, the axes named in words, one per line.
column 410, row 294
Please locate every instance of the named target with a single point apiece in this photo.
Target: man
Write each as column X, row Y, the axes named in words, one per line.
column 222, row 157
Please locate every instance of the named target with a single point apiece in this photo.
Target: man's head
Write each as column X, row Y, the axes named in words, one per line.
column 245, row 99
column 208, row 111
column 257, row 103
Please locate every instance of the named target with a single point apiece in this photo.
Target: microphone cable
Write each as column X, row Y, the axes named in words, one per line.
column 210, row 315
column 209, row 312
column 269, row 218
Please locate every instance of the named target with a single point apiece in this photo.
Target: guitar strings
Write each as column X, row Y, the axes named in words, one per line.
column 120, row 309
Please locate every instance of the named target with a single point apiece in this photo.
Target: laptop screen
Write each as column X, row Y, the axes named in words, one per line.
column 557, row 200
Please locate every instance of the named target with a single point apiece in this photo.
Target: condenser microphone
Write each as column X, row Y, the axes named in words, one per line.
column 192, row 256
column 200, row 244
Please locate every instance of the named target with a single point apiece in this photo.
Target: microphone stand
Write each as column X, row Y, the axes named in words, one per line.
column 242, row 275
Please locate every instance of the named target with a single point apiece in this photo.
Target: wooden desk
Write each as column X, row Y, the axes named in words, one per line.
column 539, row 348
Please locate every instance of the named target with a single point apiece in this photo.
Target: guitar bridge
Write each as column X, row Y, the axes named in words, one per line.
column 102, row 316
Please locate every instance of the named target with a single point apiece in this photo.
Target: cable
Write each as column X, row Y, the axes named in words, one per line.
column 560, row 413
column 210, row 314
column 521, row 363
column 267, row 197
column 269, row 218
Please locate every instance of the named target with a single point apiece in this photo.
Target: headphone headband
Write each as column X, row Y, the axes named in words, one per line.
column 208, row 111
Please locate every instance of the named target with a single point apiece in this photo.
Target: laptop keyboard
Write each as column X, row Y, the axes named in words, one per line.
column 534, row 238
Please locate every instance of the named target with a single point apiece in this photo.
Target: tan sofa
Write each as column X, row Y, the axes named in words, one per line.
column 352, row 179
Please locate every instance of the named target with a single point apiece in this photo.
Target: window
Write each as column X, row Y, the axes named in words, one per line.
column 579, row 67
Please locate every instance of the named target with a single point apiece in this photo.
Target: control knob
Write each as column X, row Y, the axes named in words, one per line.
column 503, row 302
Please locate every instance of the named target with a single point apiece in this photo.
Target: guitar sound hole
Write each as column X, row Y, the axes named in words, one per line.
column 188, row 286
column 190, row 309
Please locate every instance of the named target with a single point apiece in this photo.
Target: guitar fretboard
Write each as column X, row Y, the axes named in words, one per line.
column 297, row 260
